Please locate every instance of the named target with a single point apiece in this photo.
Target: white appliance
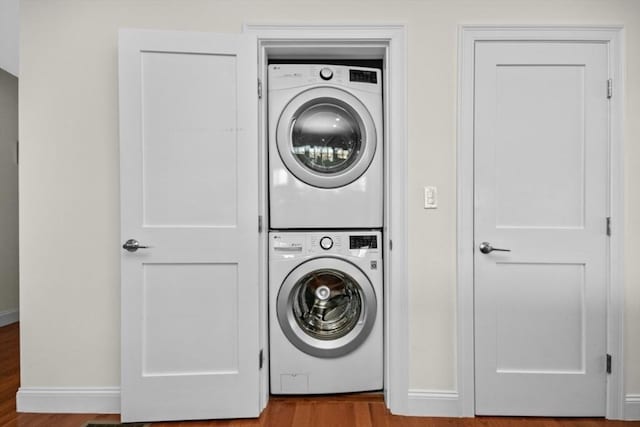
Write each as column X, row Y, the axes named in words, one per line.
column 325, row 146
column 325, row 312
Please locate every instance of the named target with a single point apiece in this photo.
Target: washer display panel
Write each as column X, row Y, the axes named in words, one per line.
column 326, row 137
column 326, row 307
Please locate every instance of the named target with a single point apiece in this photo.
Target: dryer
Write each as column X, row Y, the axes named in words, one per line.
column 325, row 312
column 325, row 146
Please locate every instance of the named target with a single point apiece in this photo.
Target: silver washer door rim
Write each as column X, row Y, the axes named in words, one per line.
column 326, row 348
column 285, row 126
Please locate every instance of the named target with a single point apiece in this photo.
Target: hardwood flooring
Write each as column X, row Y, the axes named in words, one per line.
column 355, row 410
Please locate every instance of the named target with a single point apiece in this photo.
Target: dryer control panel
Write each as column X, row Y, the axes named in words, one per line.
column 287, row 76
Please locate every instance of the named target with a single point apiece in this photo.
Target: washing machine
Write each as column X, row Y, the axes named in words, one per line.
column 325, row 312
column 325, row 146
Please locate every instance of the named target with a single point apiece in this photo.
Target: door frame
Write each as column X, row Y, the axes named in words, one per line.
column 386, row 42
column 468, row 35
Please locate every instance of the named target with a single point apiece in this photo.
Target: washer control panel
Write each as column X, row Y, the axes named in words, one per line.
column 285, row 245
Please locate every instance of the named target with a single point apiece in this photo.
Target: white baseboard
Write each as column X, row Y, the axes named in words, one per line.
column 78, row 400
column 431, row 403
column 8, row 317
column 106, row 400
column 632, row 407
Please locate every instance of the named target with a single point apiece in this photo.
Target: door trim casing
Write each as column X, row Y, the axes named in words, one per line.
column 386, row 42
column 468, row 35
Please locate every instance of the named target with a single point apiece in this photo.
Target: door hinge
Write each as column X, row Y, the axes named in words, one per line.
column 17, row 152
column 259, row 223
column 390, row 244
column 259, row 89
column 608, row 226
column 608, row 363
column 260, row 359
column 609, row 88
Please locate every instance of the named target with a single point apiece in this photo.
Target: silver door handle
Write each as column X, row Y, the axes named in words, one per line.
column 133, row 245
column 485, row 248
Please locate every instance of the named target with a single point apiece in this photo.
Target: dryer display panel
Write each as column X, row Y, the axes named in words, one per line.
column 327, row 304
column 326, row 137
column 363, row 76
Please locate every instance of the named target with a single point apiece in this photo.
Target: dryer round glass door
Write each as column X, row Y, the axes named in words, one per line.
column 326, row 137
column 326, row 307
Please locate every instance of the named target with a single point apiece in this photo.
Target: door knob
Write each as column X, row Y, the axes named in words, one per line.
column 485, row 248
column 133, row 245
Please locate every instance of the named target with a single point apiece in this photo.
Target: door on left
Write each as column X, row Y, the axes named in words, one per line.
column 189, row 193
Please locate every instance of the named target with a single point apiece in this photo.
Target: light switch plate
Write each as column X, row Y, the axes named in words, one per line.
column 430, row 197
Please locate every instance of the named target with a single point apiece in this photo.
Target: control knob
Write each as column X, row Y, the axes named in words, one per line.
column 326, row 243
column 326, row 73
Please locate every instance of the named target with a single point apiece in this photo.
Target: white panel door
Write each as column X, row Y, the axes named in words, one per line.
column 189, row 191
column 541, row 190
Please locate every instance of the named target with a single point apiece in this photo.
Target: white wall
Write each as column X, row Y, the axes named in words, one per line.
column 8, row 197
column 9, row 19
column 69, row 171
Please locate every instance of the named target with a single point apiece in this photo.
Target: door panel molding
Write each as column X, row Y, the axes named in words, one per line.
column 468, row 35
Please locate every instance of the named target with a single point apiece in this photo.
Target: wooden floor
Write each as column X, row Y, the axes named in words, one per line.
column 360, row 410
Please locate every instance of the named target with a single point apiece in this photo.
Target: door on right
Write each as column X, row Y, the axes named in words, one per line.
column 541, row 155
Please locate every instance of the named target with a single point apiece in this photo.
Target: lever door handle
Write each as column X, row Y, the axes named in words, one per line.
column 486, row 248
column 133, row 245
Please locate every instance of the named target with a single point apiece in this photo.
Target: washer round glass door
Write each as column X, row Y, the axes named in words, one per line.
column 326, row 307
column 326, row 137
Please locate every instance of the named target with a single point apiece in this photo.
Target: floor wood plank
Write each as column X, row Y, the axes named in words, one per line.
column 347, row 410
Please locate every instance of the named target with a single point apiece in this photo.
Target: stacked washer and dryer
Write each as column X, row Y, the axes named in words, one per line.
column 325, row 208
